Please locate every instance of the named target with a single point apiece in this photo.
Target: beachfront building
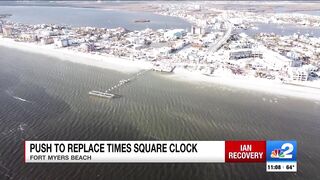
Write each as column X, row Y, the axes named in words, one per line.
column 87, row 47
column 298, row 74
column 47, row 40
column 7, row 31
column 28, row 37
column 290, row 63
column 61, row 42
column 276, row 61
column 310, row 68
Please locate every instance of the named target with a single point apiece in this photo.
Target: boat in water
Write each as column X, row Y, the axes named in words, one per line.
column 141, row 20
column 101, row 94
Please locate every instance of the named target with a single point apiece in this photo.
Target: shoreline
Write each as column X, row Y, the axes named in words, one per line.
column 101, row 61
column 250, row 83
column 127, row 66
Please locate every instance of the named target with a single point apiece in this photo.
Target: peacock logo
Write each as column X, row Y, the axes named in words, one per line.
column 281, row 150
column 277, row 153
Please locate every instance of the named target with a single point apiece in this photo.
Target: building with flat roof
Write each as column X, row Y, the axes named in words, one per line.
column 174, row 34
column 61, row 42
column 242, row 54
column 47, row 40
column 298, row 74
column 7, row 31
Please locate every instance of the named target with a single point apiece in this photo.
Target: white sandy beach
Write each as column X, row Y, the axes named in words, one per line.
column 128, row 66
column 262, row 85
column 107, row 62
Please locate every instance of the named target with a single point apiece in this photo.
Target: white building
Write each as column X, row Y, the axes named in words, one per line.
column 30, row 37
column 47, row 40
column 292, row 55
column 61, row 42
column 298, row 74
column 87, row 47
column 46, row 33
column 310, row 68
column 275, row 61
column 174, row 34
column 7, row 31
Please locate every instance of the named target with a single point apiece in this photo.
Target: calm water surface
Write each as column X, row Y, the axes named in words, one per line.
column 283, row 30
column 56, row 106
column 90, row 17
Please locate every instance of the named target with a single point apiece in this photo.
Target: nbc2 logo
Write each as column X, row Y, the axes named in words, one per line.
column 284, row 152
column 281, row 150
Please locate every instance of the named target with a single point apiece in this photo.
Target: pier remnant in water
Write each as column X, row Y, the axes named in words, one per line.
column 122, row 82
column 101, row 94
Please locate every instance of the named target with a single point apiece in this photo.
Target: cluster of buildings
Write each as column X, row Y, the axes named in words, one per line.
column 302, row 53
column 271, row 56
column 303, row 49
column 288, row 58
column 149, row 45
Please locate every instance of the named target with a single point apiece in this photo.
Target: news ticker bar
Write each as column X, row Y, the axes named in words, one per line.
column 279, row 156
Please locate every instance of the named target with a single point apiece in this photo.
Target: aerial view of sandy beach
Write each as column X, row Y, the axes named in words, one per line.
column 159, row 71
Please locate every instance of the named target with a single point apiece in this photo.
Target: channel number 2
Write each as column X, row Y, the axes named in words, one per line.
column 288, row 147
